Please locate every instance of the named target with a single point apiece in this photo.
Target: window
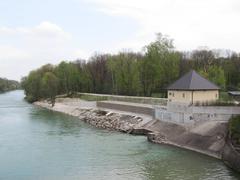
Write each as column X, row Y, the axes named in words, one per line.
column 169, row 93
column 216, row 95
column 183, row 95
column 173, row 94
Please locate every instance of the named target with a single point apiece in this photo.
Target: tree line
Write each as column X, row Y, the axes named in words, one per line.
column 129, row 73
column 8, row 85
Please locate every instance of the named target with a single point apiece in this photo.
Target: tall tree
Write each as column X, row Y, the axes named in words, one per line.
column 69, row 77
column 203, row 59
column 50, row 86
column 124, row 73
column 216, row 75
column 160, row 66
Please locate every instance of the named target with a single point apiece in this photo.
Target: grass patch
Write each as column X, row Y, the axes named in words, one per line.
column 159, row 95
column 217, row 103
column 89, row 97
column 133, row 99
column 224, row 100
column 234, row 129
column 224, row 96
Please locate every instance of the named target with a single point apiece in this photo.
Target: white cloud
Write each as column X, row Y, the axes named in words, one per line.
column 25, row 48
column 50, row 30
column 191, row 23
column 43, row 30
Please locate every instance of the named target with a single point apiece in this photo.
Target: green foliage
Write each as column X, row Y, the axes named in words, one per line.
column 217, row 103
column 8, row 85
column 32, row 84
column 224, row 96
column 147, row 73
column 49, row 85
column 160, row 65
column 234, row 129
column 69, row 77
column 90, row 97
column 216, row 75
column 125, row 74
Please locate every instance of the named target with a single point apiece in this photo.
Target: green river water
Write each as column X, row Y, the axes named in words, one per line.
column 39, row 144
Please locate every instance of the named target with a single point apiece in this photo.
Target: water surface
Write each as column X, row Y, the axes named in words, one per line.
column 39, row 144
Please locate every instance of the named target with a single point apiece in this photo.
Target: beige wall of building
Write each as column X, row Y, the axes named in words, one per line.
column 205, row 96
column 195, row 96
column 180, row 96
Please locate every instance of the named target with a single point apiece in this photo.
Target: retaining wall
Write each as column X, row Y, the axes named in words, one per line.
column 134, row 108
column 182, row 113
column 175, row 112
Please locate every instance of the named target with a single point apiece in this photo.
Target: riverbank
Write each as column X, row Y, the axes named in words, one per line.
column 59, row 146
column 88, row 112
column 207, row 138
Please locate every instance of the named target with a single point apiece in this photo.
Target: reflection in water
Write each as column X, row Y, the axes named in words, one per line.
column 40, row 144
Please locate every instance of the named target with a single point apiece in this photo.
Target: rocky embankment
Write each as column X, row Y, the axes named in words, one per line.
column 96, row 117
column 110, row 120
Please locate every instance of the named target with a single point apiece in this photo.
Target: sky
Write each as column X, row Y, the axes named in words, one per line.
column 34, row 33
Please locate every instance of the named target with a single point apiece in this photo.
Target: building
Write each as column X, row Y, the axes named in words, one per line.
column 193, row 88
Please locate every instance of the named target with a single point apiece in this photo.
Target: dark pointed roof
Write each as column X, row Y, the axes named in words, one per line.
column 193, row 81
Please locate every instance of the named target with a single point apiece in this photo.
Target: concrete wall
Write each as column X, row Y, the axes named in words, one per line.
column 193, row 96
column 183, row 113
column 179, row 113
column 216, row 113
column 126, row 107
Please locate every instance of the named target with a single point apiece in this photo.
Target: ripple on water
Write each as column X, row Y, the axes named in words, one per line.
column 40, row 144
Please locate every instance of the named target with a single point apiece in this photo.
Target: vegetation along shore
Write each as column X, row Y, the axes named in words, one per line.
column 8, row 85
column 145, row 73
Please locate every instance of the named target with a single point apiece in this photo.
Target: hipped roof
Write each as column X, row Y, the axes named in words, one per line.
column 193, row 81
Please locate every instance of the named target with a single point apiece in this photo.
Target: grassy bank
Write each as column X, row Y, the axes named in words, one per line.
column 234, row 130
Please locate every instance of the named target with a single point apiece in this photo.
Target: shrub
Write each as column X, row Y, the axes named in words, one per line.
column 234, row 129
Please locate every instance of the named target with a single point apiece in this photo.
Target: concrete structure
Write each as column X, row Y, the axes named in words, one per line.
column 127, row 107
column 193, row 88
column 184, row 114
column 177, row 113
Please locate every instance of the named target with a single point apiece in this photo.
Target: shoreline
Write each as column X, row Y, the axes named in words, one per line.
column 155, row 130
column 208, row 138
column 123, row 122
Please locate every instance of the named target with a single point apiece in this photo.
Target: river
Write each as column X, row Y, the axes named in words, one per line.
column 39, row 144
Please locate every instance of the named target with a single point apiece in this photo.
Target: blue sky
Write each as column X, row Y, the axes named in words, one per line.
column 33, row 33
